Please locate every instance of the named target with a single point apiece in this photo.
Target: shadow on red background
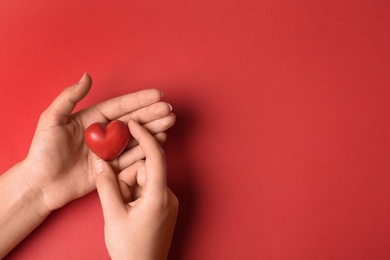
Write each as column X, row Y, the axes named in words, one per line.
column 180, row 179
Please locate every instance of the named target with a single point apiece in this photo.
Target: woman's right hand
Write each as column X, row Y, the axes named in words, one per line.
column 139, row 209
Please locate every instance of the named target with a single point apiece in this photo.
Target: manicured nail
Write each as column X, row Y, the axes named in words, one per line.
column 99, row 167
column 170, row 107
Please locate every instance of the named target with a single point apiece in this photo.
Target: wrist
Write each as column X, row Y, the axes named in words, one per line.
column 32, row 188
column 22, row 208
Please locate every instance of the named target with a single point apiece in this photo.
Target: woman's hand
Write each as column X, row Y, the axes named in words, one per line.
column 139, row 209
column 60, row 164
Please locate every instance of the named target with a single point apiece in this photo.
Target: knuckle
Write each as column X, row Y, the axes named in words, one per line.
column 46, row 117
column 174, row 202
column 140, row 164
column 168, row 201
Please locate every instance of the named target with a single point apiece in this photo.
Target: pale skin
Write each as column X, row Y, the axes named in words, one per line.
column 140, row 217
column 59, row 167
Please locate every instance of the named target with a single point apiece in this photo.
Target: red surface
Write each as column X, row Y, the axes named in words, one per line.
column 281, row 147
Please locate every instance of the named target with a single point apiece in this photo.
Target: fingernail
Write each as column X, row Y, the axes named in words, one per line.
column 99, row 167
column 162, row 93
column 170, row 106
column 82, row 78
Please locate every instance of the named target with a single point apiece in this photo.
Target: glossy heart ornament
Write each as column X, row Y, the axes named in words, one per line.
column 107, row 140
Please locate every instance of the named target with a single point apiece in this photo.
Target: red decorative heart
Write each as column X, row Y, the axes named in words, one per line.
column 107, row 140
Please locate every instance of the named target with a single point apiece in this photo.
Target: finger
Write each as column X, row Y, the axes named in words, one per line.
column 136, row 153
column 160, row 137
column 134, row 174
column 131, row 181
column 147, row 114
column 117, row 107
column 161, row 125
column 108, row 190
column 155, row 168
column 126, row 192
column 66, row 101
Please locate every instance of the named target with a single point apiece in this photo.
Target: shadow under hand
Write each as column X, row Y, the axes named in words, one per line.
column 180, row 173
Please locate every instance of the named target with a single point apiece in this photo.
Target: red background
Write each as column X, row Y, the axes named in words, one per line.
column 281, row 147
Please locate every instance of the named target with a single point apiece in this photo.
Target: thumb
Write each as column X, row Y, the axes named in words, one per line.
column 66, row 101
column 108, row 190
